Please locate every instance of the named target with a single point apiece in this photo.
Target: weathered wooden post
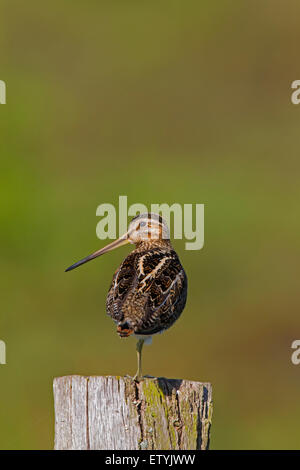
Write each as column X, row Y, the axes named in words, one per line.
column 120, row 414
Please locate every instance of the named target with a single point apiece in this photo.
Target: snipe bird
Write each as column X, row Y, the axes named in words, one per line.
column 148, row 291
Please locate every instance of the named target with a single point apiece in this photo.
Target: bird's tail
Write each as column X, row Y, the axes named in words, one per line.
column 124, row 329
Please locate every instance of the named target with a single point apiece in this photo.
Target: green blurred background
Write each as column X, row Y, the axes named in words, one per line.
column 171, row 101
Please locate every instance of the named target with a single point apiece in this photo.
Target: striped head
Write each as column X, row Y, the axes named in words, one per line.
column 143, row 228
column 148, row 227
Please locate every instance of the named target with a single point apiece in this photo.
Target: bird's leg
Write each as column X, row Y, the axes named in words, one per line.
column 139, row 347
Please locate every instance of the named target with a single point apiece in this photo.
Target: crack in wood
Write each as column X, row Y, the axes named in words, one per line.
column 87, row 415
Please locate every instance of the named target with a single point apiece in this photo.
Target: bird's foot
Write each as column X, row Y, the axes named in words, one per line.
column 137, row 378
column 127, row 376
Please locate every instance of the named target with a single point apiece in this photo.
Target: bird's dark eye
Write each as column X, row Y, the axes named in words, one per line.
column 142, row 224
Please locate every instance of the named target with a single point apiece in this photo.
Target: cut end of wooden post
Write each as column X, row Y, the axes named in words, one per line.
column 117, row 413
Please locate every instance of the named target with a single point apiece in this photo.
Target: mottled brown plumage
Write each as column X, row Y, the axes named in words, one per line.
column 148, row 291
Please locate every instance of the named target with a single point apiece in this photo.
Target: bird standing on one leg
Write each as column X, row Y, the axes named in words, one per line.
column 149, row 289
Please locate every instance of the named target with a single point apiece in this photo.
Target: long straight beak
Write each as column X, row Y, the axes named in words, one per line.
column 121, row 241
